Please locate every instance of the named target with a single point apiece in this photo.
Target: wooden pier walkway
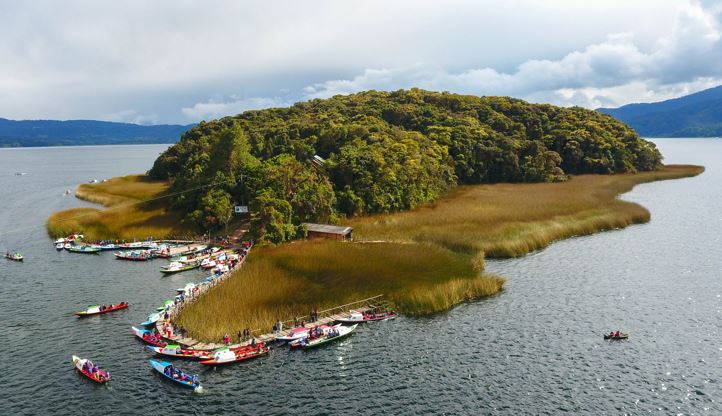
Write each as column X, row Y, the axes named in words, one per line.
column 328, row 316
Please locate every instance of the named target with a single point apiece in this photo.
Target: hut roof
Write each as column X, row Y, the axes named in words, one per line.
column 327, row 228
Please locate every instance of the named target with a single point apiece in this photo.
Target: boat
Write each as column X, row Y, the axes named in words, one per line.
column 165, row 305
column 302, row 332
column 358, row 317
column 342, row 332
column 83, row 249
column 97, row 310
column 133, row 255
column 107, row 247
column 228, row 355
column 16, row 256
column 178, row 352
column 177, row 267
column 59, row 246
column 81, row 364
column 169, row 372
column 149, row 337
column 615, row 337
column 208, row 264
column 151, row 319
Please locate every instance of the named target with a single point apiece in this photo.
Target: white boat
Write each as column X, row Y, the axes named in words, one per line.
column 59, row 246
column 301, row 332
column 67, row 246
column 59, row 240
column 208, row 264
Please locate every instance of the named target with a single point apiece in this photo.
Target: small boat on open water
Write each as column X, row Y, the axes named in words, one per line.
column 16, row 256
column 616, row 337
column 85, row 367
column 101, row 309
column 246, row 352
column 169, row 372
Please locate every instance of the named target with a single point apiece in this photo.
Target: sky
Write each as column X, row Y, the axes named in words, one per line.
column 178, row 61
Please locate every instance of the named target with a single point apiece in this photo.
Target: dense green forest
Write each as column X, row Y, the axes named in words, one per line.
column 383, row 152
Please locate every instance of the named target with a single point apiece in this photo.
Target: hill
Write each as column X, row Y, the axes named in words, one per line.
column 383, row 152
column 694, row 115
column 33, row 133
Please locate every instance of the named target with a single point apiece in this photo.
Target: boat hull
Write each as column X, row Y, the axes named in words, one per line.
column 160, row 366
column 78, row 363
column 258, row 352
column 113, row 308
column 619, row 338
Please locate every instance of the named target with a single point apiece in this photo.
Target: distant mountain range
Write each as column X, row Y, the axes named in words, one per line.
column 694, row 115
column 33, row 133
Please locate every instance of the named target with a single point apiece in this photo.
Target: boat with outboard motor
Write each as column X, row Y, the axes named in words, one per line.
column 177, row 267
column 149, row 337
column 358, row 317
column 101, row 309
column 83, row 249
column 137, row 255
column 169, row 372
column 173, row 350
column 15, row 256
column 336, row 333
column 234, row 355
column 300, row 332
column 89, row 370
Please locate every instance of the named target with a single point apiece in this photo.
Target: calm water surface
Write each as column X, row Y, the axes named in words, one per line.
column 534, row 349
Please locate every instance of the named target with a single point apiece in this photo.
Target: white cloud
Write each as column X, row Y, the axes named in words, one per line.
column 131, row 116
column 613, row 72
column 215, row 109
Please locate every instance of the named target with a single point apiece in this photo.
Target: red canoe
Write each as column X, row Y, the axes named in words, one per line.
column 149, row 337
column 100, row 377
column 227, row 356
column 97, row 310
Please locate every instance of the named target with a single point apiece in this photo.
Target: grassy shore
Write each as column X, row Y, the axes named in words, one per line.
column 425, row 260
column 125, row 216
column 510, row 220
column 278, row 283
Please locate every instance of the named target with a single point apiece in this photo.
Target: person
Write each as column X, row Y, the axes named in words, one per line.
column 226, row 339
column 183, row 332
column 240, row 339
column 280, row 326
column 253, row 343
column 194, row 380
column 275, row 329
column 611, row 334
column 616, row 334
column 107, row 375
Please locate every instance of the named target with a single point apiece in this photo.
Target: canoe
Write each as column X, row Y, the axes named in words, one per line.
column 176, row 267
column 357, row 317
column 621, row 336
column 178, row 376
column 299, row 332
column 165, row 305
column 83, row 249
column 228, row 356
column 178, row 352
column 95, row 310
column 14, row 256
column 151, row 319
column 343, row 332
column 133, row 255
column 148, row 337
column 102, row 376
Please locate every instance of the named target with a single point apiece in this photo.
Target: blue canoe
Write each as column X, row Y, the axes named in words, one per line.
column 160, row 366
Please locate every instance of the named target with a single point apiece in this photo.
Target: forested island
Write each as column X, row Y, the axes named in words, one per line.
column 432, row 183
column 383, row 152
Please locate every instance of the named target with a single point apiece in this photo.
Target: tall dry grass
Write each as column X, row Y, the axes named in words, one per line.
column 283, row 282
column 125, row 216
column 509, row 220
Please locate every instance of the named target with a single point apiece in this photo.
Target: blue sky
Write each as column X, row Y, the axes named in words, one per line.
column 184, row 61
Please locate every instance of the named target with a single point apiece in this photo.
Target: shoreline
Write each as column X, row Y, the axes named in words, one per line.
column 421, row 274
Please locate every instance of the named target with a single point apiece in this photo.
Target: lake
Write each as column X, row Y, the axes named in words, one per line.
column 536, row 348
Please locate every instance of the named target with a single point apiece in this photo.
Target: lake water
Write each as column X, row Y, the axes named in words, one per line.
column 536, row 348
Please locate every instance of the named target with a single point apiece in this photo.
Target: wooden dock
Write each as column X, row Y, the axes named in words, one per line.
column 327, row 317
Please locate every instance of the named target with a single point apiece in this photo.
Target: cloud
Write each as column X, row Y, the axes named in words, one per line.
column 215, row 109
column 131, row 116
column 611, row 72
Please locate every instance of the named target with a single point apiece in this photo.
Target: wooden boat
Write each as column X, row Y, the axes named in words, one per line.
column 358, row 317
column 177, row 267
column 178, row 352
column 227, row 355
column 101, row 377
column 133, row 255
column 148, row 337
column 342, row 332
column 299, row 332
column 613, row 337
column 96, row 310
column 16, row 256
column 107, row 247
column 83, row 249
column 169, row 372
column 151, row 319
